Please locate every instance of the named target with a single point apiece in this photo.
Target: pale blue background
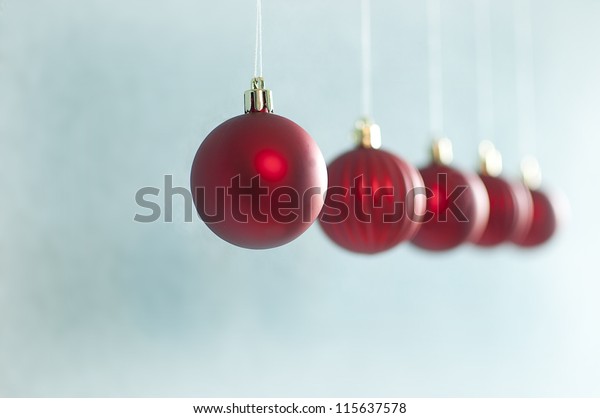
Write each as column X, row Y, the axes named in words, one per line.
column 101, row 97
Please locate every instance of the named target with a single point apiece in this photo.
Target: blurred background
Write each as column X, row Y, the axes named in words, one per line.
column 99, row 98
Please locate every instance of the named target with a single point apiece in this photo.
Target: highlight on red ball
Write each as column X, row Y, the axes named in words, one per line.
column 271, row 165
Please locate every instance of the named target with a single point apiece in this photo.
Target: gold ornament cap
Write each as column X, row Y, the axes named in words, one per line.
column 258, row 99
column 367, row 134
column 441, row 151
column 531, row 173
column 490, row 159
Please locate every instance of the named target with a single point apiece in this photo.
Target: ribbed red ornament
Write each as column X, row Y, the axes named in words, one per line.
column 444, row 227
column 511, row 211
column 370, row 205
column 544, row 223
column 258, row 180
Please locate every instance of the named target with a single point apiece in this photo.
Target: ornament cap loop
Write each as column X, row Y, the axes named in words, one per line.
column 490, row 159
column 441, row 151
column 531, row 173
column 258, row 99
column 367, row 134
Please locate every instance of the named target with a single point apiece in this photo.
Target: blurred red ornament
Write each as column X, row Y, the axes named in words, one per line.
column 511, row 206
column 545, row 209
column 511, row 211
column 544, row 222
column 258, row 180
column 457, row 204
column 370, row 205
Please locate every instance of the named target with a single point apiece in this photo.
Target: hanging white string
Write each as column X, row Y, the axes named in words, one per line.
column 436, row 92
column 258, row 65
column 366, row 56
column 526, row 129
column 484, row 60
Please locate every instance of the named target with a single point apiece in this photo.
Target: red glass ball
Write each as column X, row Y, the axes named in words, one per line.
column 370, row 205
column 258, row 180
column 511, row 211
column 457, row 208
column 544, row 222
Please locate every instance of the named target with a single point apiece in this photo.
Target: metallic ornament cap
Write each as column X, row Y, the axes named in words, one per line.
column 367, row 134
column 258, row 99
column 531, row 173
column 490, row 159
column 441, row 151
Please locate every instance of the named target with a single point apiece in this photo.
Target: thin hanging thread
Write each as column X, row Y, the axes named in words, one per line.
column 484, row 59
column 258, row 64
column 436, row 92
column 366, row 57
column 524, row 66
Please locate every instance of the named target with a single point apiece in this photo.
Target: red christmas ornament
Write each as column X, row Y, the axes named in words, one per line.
column 524, row 204
column 457, row 203
column 258, row 180
column 544, row 222
column 370, row 205
column 511, row 206
column 545, row 211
